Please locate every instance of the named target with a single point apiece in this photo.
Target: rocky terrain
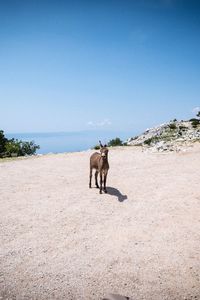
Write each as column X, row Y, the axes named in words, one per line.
column 172, row 136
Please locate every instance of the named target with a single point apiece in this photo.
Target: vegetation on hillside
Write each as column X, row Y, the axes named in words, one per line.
column 112, row 143
column 168, row 134
column 14, row 147
column 115, row 142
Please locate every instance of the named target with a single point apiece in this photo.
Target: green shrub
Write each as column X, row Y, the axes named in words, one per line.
column 115, row 142
column 112, row 143
column 151, row 140
column 14, row 147
column 3, row 141
column 96, row 147
column 182, row 127
column 194, row 125
column 195, row 122
column 28, row 148
column 19, row 148
column 172, row 126
column 148, row 141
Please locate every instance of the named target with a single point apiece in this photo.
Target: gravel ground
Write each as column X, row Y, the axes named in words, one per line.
column 62, row 240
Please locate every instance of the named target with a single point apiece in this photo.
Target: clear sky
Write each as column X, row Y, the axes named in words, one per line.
column 99, row 64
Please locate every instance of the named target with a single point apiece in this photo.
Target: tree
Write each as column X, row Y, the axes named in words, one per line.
column 19, row 148
column 3, row 141
column 28, row 148
column 198, row 114
column 115, row 142
column 14, row 147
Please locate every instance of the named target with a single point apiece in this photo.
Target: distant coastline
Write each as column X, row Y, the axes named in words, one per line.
column 58, row 142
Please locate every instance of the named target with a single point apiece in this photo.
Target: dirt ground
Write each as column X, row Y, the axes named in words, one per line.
column 62, row 240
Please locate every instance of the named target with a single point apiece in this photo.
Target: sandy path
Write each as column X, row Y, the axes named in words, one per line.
column 62, row 240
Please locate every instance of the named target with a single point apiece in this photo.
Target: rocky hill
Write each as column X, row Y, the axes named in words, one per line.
column 171, row 136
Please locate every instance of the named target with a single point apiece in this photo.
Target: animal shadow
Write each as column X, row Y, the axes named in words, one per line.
column 115, row 192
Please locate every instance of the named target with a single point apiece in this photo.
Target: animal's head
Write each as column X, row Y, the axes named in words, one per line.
column 103, row 150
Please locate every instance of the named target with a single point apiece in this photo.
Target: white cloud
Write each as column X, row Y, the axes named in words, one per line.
column 90, row 123
column 103, row 123
column 196, row 109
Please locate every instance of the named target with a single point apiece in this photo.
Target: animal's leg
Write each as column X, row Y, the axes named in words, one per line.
column 104, row 182
column 96, row 180
column 90, row 182
column 100, row 191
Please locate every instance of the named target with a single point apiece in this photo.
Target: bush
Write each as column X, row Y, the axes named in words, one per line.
column 19, row 148
column 96, row 147
column 14, row 147
column 151, row 140
column 172, row 126
column 148, row 141
column 3, row 141
column 182, row 127
column 195, row 122
column 28, row 148
column 115, row 142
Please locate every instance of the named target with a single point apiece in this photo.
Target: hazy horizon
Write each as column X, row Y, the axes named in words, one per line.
column 68, row 132
column 58, row 142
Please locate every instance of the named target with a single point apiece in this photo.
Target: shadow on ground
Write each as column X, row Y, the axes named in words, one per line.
column 115, row 192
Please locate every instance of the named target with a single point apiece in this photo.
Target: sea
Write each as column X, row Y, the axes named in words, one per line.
column 58, row 142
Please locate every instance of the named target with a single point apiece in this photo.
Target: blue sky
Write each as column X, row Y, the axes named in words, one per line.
column 112, row 65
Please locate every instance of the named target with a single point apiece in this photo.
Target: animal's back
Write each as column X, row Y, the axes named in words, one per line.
column 94, row 159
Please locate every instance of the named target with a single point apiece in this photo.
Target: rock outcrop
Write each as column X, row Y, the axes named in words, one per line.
column 172, row 136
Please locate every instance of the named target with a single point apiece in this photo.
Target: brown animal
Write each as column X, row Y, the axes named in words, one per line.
column 99, row 162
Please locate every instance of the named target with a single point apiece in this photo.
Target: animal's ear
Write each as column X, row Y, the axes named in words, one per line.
column 100, row 144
